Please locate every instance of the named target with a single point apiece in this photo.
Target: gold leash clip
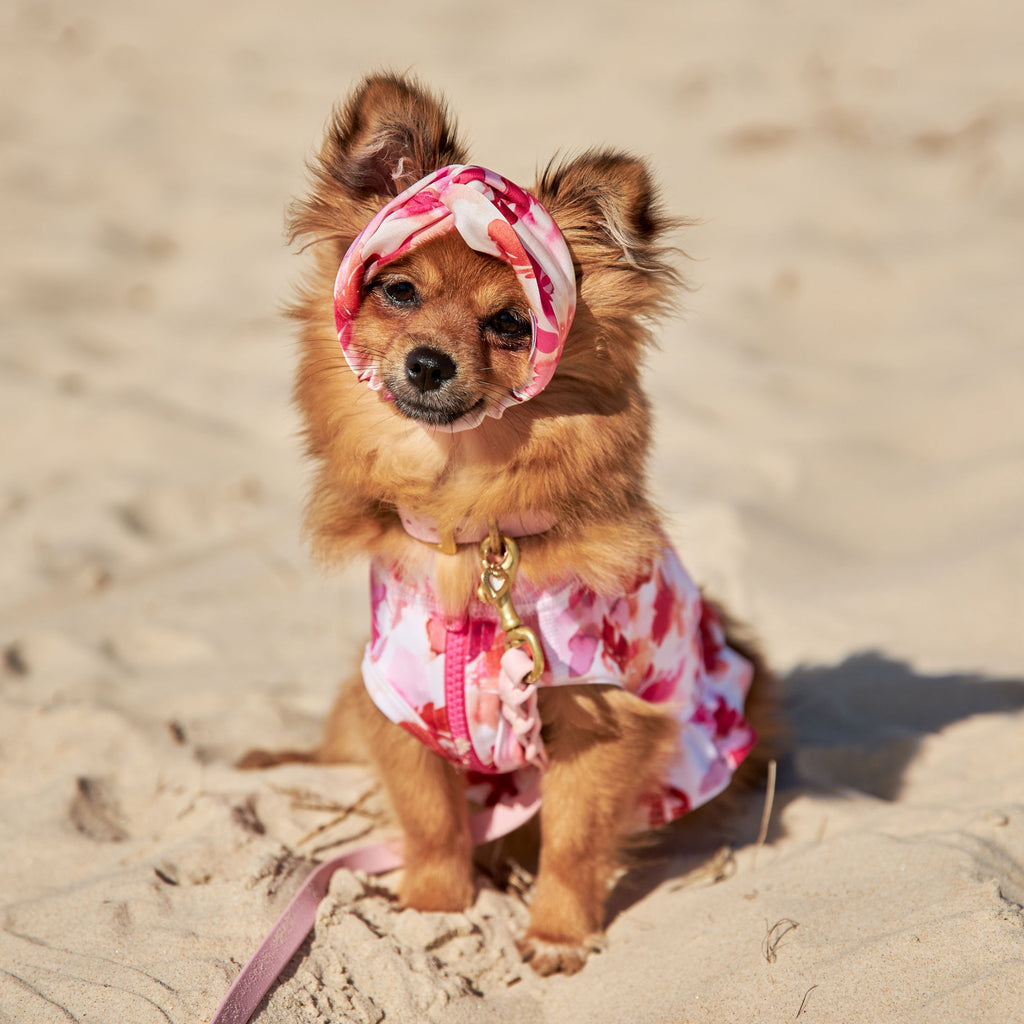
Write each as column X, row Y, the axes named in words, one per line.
column 498, row 570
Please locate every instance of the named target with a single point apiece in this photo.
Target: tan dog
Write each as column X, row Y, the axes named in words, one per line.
column 447, row 332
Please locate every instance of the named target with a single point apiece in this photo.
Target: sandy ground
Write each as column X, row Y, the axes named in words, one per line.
column 841, row 454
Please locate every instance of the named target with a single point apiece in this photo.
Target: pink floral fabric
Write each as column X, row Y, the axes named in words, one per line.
column 438, row 677
column 494, row 216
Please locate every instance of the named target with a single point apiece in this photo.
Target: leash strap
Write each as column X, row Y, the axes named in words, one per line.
column 296, row 922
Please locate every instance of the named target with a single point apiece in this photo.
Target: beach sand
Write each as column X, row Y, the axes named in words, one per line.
column 840, row 455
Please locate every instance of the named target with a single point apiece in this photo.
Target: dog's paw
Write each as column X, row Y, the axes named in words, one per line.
column 438, row 902
column 446, row 888
column 547, row 957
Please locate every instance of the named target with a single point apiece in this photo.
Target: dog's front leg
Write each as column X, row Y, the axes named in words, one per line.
column 605, row 748
column 428, row 797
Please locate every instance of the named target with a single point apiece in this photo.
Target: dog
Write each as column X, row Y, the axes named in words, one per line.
column 470, row 383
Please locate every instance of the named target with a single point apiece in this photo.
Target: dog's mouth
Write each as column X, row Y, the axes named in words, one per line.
column 433, row 411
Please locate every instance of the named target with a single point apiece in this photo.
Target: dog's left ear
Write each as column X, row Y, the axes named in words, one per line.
column 607, row 207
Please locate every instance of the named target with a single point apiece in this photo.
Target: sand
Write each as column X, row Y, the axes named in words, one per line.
column 840, row 455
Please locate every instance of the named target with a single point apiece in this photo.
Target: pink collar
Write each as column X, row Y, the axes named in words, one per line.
column 493, row 216
column 427, row 529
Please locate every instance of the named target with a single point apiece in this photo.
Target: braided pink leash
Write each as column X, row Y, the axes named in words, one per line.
column 519, row 709
column 292, row 927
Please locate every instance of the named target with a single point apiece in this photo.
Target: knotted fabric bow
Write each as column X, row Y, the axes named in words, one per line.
column 493, row 216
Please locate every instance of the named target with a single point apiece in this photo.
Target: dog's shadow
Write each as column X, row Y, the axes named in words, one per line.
column 853, row 726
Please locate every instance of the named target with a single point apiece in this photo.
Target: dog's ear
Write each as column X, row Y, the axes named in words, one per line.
column 607, row 207
column 390, row 133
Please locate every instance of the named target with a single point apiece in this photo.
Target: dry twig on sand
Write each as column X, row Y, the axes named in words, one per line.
column 774, row 935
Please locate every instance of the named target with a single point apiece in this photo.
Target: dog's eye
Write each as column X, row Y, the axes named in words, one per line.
column 399, row 292
column 512, row 328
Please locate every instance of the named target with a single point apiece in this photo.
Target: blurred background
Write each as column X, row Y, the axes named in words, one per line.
column 840, row 424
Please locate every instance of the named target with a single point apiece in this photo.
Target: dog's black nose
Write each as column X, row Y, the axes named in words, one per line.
column 428, row 368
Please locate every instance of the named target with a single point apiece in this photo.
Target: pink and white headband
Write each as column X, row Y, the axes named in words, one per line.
column 493, row 216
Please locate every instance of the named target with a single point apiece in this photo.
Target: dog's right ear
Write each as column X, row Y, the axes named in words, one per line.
column 390, row 133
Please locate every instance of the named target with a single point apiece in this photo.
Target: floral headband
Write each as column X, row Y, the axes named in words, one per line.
column 493, row 216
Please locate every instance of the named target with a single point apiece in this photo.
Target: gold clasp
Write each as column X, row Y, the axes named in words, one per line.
column 498, row 569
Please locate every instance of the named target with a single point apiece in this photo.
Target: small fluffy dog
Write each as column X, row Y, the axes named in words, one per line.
column 470, row 382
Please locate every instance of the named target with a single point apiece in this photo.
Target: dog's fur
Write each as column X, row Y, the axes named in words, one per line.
column 577, row 450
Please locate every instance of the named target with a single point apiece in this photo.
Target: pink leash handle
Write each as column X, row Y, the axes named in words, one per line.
column 296, row 922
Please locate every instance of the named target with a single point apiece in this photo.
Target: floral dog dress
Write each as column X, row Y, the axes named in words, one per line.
column 438, row 677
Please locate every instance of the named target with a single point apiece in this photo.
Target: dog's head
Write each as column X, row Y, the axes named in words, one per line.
column 445, row 330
